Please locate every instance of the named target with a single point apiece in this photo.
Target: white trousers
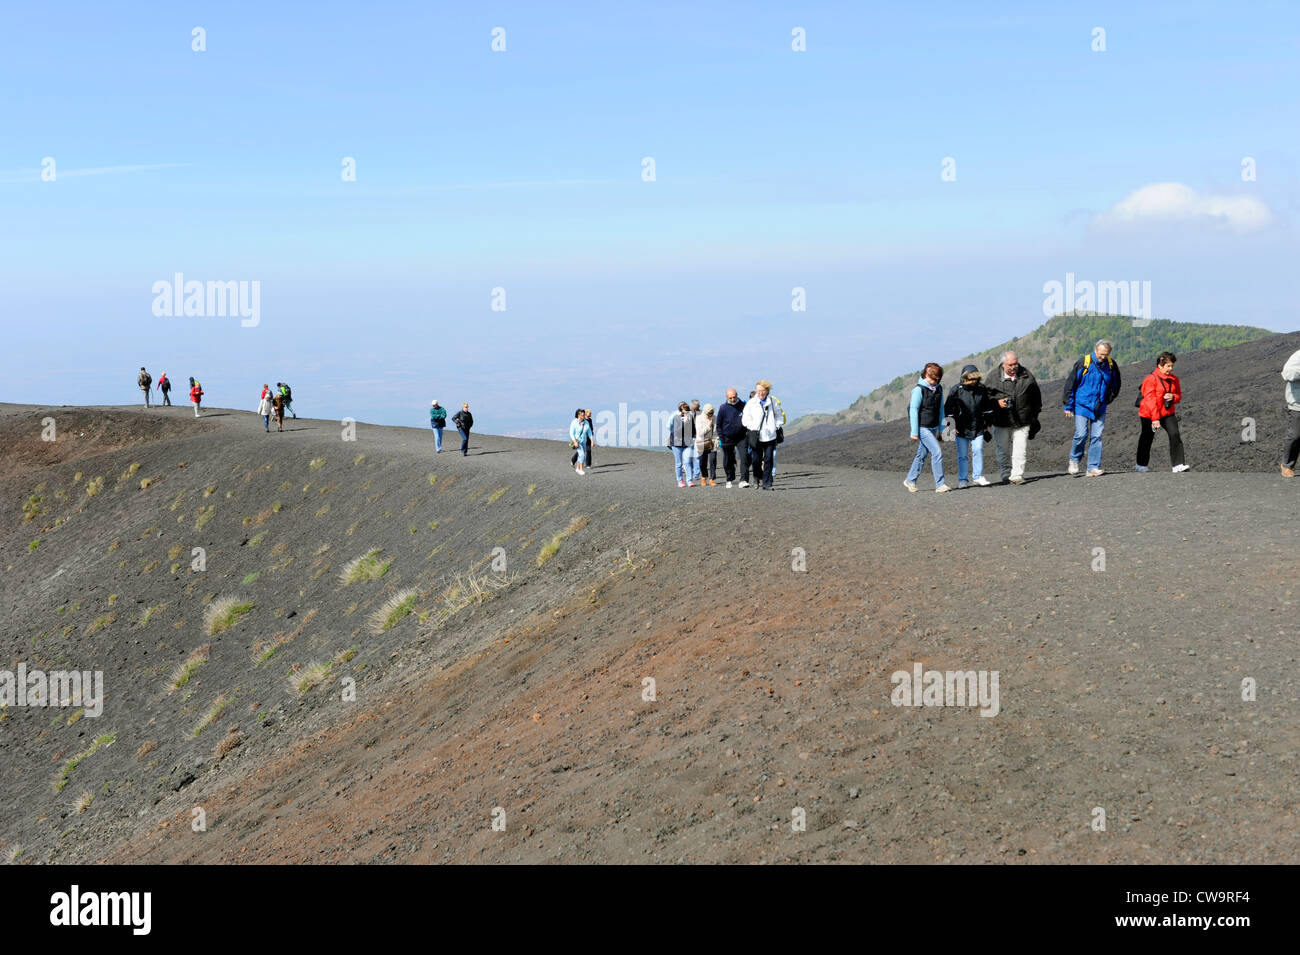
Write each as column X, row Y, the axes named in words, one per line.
column 1019, row 438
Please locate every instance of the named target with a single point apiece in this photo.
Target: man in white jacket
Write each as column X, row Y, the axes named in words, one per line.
column 761, row 418
column 1291, row 374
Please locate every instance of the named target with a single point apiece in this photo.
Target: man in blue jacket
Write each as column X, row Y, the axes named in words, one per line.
column 731, row 435
column 1089, row 388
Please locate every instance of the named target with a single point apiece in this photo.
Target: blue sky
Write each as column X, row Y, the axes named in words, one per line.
column 522, row 169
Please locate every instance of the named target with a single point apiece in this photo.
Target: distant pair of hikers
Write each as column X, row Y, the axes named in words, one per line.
column 462, row 419
column 272, row 403
column 144, row 380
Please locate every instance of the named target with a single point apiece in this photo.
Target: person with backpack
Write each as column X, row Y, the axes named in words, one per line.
column 287, row 393
column 1156, row 403
column 144, row 380
column 463, row 421
column 437, row 421
column 264, row 408
column 1089, row 389
column 925, row 415
column 762, row 426
column 971, row 410
column 165, row 386
column 579, row 436
column 196, row 395
column 1291, row 375
column 681, row 440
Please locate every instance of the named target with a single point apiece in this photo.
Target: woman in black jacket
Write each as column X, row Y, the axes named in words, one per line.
column 971, row 408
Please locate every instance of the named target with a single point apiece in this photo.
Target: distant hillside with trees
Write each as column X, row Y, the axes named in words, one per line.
column 1049, row 351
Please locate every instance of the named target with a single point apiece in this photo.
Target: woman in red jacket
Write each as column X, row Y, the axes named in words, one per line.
column 196, row 395
column 1161, row 393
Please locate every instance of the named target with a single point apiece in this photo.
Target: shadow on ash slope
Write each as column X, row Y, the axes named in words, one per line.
column 396, row 711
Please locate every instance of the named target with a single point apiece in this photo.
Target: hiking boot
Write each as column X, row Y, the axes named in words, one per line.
column 911, row 487
column 1073, row 468
column 713, row 483
column 982, row 481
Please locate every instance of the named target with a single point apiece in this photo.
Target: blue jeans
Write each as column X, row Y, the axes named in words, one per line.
column 682, row 462
column 927, row 446
column 437, row 437
column 691, row 463
column 1087, row 434
column 970, row 457
column 266, row 420
column 464, row 441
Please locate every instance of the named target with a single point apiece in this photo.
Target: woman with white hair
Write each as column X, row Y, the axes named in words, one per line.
column 761, row 419
column 706, row 447
column 437, row 421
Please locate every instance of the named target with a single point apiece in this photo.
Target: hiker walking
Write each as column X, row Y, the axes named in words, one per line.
column 196, row 396
column 437, row 421
column 463, row 421
column 731, row 437
column 681, row 440
column 1156, row 405
column 761, row 423
column 579, row 436
column 971, row 409
column 1291, row 375
column 277, row 408
column 144, row 380
column 165, row 386
column 706, row 447
column 1089, row 390
column 925, row 414
column 591, row 437
column 287, row 393
column 780, row 432
column 1017, row 403
column 264, row 408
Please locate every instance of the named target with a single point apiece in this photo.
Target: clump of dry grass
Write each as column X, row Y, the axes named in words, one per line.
column 83, row 802
column 223, row 614
column 392, row 610
column 553, row 545
column 366, row 567
column 228, row 743
column 147, row 747
column 212, row 714
column 181, row 675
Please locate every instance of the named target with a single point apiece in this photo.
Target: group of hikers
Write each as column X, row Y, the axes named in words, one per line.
column 746, row 434
column 1006, row 408
column 275, row 402
column 462, row 419
column 144, row 380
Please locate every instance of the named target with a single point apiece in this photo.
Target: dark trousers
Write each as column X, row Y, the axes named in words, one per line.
column 729, row 454
column 464, row 441
column 761, row 459
column 167, row 397
column 1169, row 426
column 590, row 444
column 709, row 464
column 1292, row 438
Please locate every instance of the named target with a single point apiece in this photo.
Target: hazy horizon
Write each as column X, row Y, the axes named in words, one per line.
column 920, row 174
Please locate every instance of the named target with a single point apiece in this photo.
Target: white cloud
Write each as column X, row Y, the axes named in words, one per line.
column 1172, row 203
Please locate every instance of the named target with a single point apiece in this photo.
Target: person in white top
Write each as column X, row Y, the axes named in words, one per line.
column 761, row 418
